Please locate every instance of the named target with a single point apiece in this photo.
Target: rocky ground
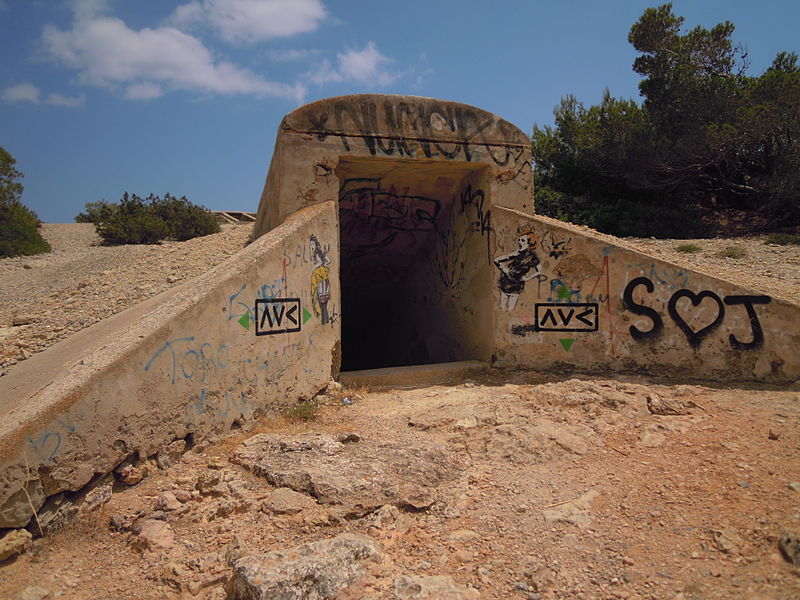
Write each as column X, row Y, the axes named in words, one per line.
column 513, row 486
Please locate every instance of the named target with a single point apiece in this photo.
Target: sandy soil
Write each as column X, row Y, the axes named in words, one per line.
column 585, row 488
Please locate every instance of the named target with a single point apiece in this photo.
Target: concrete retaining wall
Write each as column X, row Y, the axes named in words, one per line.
column 246, row 338
column 588, row 303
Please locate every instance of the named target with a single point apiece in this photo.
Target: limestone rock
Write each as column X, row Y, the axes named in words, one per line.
column 789, row 545
column 156, row 535
column 575, row 512
column 286, row 501
column 409, row 587
column 18, row 509
column 22, row 319
column 312, row 571
column 727, row 541
column 34, row 593
column 55, row 513
column 362, row 475
column 170, row 454
column 97, row 497
column 14, row 542
column 665, row 406
column 168, row 501
column 130, row 475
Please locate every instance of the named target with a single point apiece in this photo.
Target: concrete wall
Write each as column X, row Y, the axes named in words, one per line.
column 597, row 306
column 218, row 350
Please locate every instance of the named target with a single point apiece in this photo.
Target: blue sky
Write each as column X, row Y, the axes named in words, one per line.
column 99, row 97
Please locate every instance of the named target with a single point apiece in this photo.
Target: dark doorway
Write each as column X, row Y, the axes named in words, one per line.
column 414, row 269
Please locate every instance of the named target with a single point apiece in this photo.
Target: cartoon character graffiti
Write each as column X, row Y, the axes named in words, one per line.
column 516, row 268
column 320, row 283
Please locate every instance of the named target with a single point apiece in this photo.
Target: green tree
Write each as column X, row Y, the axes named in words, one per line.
column 19, row 225
column 705, row 137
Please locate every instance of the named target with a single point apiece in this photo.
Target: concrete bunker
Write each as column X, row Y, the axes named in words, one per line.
column 415, row 180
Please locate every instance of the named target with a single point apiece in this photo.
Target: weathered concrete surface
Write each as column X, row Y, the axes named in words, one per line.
column 590, row 304
column 243, row 339
column 417, row 375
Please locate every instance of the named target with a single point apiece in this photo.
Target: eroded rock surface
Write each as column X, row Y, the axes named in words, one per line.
column 312, row 571
column 362, row 475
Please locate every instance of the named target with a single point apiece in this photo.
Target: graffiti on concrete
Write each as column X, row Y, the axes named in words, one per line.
column 694, row 335
column 516, row 268
column 578, row 316
column 561, row 316
column 560, row 292
column 428, row 129
column 320, row 281
column 277, row 315
column 372, row 218
column 555, row 247
column 244, row 313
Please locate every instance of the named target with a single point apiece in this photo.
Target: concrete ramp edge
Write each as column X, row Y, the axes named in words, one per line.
column 244, row 339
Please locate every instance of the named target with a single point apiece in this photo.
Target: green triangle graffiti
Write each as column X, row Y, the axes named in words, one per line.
column 306, row 316
column 566, row 343
column 244, row 321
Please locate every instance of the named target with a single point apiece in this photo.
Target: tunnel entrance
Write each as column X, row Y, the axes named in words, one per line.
column 415, row 275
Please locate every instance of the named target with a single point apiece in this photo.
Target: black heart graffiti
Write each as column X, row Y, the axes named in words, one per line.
column 695, row 337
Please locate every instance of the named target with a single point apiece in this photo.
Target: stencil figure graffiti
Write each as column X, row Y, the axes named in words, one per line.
column 320, row 283
column 516, row 268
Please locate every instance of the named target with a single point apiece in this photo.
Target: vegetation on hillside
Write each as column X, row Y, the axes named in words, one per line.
column 134, row 220
column 706, row 138
column 19, row 225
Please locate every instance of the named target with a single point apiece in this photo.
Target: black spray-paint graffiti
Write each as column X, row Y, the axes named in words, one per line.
column 277, row 315
column 516, row 268
column 561, row 316
column 694, row 337
column 435, row 129
column 364, row 199
column 554, row 247
column 372, row 217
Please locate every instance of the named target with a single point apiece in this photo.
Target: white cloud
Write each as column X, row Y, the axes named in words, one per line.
column 251, row 21
column 291, row 55
column 146, row 90
column 22, row 92
column 56, row 99
column 362, row 66
column 106, row 52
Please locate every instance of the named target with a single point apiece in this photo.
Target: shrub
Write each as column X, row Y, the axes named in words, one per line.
column 783, row 239
column 733, row 252
column 19, row 231
column 97, row 212
column 687, row 248
column 184, row 219
column 138, row 221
